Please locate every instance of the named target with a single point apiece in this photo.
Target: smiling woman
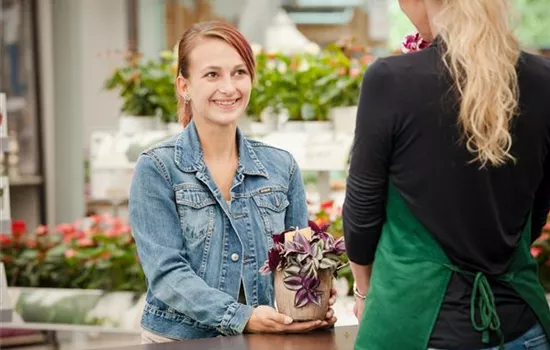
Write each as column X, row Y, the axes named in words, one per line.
column 221, row 77
column 205, row 204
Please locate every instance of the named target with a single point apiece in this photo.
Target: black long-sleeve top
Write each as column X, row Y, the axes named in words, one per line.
column 407, row 132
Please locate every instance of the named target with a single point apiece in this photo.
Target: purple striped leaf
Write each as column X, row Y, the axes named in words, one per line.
column 302, row 298
column 293, row 282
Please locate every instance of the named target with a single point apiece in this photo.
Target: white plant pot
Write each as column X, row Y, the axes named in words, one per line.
column 110, row 182
column 314, row 127
column 259, row 128
column 294, row 126
column 252, row 127
column 129, row 125
column 310, row 127
column 174, row 128
column 270, row 120
column 343, row 119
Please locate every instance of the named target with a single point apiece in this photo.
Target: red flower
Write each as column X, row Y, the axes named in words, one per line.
column 5, row 240
column 366, row 59
column 73, row 235
column 536, row 251
column 354, row 72
column 85, row 242
column 65, row 229
column 112, row 233
column 327, row 204
column 69, row 253
column 125, row 229
column 18, row 228
column 96, row 219
column 31, row 243
column 42, row 230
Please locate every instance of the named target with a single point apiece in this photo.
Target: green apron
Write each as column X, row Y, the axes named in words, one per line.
column 410, row 278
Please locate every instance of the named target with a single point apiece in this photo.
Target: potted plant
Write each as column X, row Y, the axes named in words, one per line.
column 309, row 85
column 262, row 112
column 304, row 263
column 301, row 93
column 349, row 64
column 147, row 91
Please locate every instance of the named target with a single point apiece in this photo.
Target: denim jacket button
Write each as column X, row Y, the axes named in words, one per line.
column 234, row 256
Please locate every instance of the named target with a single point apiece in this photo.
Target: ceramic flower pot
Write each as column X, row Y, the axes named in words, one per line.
column 130, row 125
column 286, row 299
column 344, row 119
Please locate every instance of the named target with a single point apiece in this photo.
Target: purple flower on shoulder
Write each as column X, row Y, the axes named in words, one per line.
column 413, row 42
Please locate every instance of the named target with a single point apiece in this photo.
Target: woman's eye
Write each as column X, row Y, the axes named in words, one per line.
column 211, row 74
column 241, row 72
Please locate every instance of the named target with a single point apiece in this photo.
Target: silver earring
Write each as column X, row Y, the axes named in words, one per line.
column 186, row 98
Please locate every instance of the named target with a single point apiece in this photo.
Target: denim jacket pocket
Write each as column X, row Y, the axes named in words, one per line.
column 196, row 208
column 272, row 207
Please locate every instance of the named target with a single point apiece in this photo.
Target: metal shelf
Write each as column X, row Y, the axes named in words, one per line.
column 4, row 144
column 5, row 226
column 26, row 180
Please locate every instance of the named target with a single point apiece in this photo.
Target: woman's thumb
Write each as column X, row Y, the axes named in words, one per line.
column 281, row 318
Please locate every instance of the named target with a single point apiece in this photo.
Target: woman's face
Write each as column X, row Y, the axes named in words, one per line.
column 219, row 83
column 417, row 12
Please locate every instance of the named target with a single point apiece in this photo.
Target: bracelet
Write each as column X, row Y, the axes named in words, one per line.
column 356, row 292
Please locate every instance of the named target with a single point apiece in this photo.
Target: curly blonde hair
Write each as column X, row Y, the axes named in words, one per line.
column 481, row 53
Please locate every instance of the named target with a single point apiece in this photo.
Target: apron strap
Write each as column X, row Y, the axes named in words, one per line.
column 482, row 301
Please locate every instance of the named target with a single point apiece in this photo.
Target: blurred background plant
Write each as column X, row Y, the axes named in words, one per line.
column 146, row 87
column 96, row 252
column 308, row 84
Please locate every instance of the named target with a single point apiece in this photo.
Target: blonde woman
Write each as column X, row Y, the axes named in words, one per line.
column 449, row 184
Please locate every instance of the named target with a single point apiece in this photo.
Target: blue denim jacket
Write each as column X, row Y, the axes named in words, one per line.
column 196, row 248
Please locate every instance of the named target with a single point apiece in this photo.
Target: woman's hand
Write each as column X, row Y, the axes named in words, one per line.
column 330, row 319
column 266, row 319
column 358, row 308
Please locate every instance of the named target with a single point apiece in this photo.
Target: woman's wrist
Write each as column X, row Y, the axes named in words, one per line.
column 358, row 293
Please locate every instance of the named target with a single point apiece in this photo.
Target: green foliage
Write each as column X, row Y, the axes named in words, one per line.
column 146, row 88
column 308, row 84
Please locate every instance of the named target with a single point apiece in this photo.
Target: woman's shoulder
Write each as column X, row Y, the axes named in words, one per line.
column 167, row 145
column 160, row 152
column 387, row 73
column 536, row 65
column 406, row 61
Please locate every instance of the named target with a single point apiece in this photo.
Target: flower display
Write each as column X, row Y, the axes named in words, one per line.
column 97, row 252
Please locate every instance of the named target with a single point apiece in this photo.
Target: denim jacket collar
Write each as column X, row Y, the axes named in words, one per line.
column 189, row 155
